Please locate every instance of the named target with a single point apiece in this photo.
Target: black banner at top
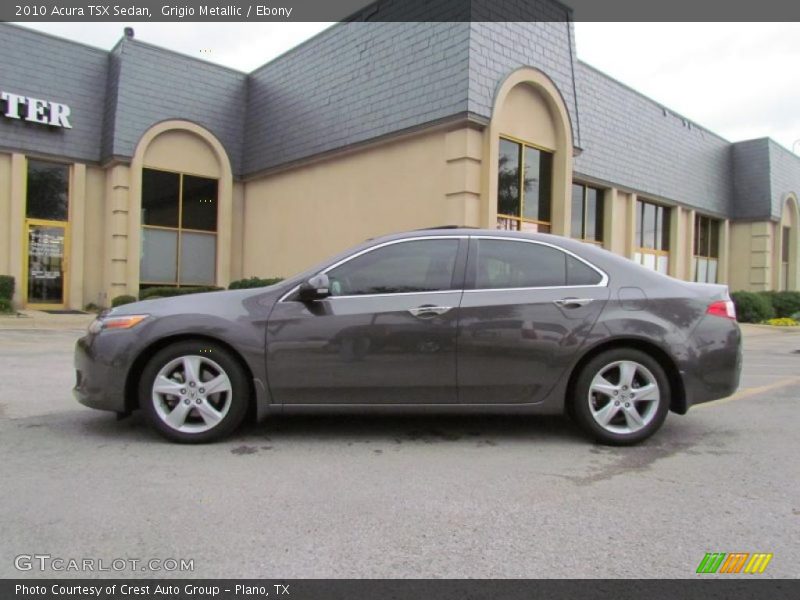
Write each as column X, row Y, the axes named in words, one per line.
column 398, row 10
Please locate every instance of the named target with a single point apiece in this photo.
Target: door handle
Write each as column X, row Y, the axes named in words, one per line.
column 428, row 312
column 572, row 302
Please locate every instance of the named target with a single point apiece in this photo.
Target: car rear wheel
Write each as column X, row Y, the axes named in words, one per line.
column 194, row 391
column 621, row 397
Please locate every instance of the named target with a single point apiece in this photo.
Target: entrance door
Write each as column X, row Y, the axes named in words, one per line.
column 46, row 269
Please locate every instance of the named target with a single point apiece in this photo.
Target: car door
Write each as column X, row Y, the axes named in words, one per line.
column 386, row 335
column 528, row 307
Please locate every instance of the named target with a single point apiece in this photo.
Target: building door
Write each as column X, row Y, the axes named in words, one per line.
column 46, row 268
column 46, row 236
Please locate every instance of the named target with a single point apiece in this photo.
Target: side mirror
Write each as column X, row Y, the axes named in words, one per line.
column 316, row 288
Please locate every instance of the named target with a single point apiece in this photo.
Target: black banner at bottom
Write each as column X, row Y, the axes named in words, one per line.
column 396, row 589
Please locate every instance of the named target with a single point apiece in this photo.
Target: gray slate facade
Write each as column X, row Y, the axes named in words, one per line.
column 359, row 81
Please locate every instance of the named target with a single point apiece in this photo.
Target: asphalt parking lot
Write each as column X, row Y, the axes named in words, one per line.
column 399, row 497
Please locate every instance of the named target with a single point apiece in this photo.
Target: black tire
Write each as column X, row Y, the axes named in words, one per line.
column 210, row 360
column 582, row 407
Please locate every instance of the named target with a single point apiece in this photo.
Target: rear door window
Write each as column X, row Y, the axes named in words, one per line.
column 509, row 264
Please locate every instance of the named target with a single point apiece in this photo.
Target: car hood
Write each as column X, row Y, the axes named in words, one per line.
column 207, row 302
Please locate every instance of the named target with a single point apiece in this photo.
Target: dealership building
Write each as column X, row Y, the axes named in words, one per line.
column 142, row 167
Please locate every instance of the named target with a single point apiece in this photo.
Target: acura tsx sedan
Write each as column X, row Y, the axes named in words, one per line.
column 448, row 319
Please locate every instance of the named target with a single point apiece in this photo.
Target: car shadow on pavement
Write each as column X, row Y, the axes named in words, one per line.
column 480, row 430
column 484, row 430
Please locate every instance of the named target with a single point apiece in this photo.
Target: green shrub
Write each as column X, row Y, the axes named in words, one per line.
column 253, row 282
column 785, row 304
column 124, row 299
column 164, row 292
column 752, row 307
column 5, row 306
column 6, row 287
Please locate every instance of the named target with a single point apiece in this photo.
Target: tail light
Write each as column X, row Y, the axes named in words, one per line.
column 722, row 308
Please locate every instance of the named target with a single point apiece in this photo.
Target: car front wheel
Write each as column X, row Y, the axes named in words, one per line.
column 193, row 392
column 621, row 397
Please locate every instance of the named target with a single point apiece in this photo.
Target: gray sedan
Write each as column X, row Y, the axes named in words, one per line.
column 435, row 320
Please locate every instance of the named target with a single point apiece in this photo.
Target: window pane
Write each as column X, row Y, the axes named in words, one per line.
column 702, row 270
column 663, row 232
column 530, row 199
column 662, row 264
column 713, row 235
column 538, row 181
column 47, row 191
column 46, row 266
column 649, row 225
column 160, row 198
column 199, row 209
column 159, row 262
column 577, row 211
column 421, row 266
column 594, row 215
column 508, row 199
column 505, row 264
column 579, row 273
column 198, row 258
column 712, row 271
column 639, row 223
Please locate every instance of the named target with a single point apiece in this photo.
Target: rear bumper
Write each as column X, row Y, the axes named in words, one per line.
column 715, row 364
column 99, row 383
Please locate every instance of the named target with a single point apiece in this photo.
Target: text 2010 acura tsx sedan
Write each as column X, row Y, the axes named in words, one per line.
column 433, row 320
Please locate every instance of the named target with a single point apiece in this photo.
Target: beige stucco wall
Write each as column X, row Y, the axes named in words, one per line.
column 298, row 217
column 525, row 115
column 751, row 249
column 181, row 151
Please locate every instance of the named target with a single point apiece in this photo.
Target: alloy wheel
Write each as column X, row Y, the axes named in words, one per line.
column 624, row 397
column 192, row 394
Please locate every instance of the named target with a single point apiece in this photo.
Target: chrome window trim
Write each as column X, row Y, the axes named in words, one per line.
column 603, row 281
column 382, row 245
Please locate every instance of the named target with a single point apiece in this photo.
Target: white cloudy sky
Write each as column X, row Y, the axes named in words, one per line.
column 740, row 80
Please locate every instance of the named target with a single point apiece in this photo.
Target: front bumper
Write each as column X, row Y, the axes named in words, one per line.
column 100, row 379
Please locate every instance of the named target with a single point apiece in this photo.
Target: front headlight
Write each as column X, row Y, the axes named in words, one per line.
column 121, row 322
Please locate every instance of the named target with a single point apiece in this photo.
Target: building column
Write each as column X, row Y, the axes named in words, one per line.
column 630, row 226
column 677, row 252
column 77, row 232
column 115, row 272
column 723, row 267
column 16, row 225
column 463, row 155
column 688, row 263
column 761, row 256
column 5, row 211
column 614, row 221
